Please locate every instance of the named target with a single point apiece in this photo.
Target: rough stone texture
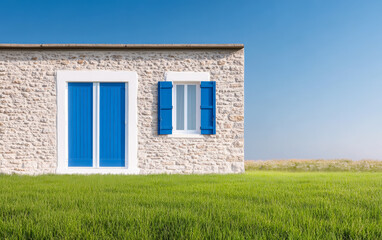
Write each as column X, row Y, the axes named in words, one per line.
column 28, row 108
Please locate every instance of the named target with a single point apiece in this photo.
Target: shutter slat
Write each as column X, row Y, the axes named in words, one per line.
column 208, row 107
column 164, row 108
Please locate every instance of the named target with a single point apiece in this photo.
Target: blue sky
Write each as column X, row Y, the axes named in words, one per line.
column 313, row 78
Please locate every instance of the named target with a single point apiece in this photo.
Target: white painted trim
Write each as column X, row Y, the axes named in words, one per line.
column 173, row 107
column 98, row 171
column 133, row 124
column 96, row 76
column 98, row 122
column 95, row 125
column 187, row 76
column 126, row 125
column 186, row 136
column 198, row 104
column 185, row 107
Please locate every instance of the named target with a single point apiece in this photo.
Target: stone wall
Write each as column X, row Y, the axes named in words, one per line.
column 28, row 108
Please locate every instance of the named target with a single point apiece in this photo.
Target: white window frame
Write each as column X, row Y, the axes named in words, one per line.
column 97, row 76
column 186, row 78
column 174, row 110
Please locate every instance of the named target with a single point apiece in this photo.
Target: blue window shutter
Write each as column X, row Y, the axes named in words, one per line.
column 80, row 124
column 164, row 108
column 208, row 107
column 112, row 125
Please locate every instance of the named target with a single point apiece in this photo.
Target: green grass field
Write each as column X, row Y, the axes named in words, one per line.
column 254, row 205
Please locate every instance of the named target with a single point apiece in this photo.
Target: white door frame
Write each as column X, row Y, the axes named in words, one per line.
column 97, row 76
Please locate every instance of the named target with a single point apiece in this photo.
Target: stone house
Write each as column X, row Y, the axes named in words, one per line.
column 121, row 109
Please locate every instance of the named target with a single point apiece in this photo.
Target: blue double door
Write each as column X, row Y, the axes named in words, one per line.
column 84, row 100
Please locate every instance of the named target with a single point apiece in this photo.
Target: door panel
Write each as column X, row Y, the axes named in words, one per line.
column 112, row 125
column 80, row 124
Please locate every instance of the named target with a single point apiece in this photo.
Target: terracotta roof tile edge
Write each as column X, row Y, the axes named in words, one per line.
column 121, row 46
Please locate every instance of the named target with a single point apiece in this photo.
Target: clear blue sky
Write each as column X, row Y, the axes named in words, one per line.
column 313, row 78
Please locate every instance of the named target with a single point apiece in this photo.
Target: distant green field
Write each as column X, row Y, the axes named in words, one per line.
column 315, row 165
column 254, row 205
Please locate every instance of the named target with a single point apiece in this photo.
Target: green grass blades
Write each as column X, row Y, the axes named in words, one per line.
column 254, row 205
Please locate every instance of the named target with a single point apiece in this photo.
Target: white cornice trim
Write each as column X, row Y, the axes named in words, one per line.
column 187, row 76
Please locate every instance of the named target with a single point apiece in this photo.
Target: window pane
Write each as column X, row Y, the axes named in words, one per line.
column 179, row 107
column 191, row 107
